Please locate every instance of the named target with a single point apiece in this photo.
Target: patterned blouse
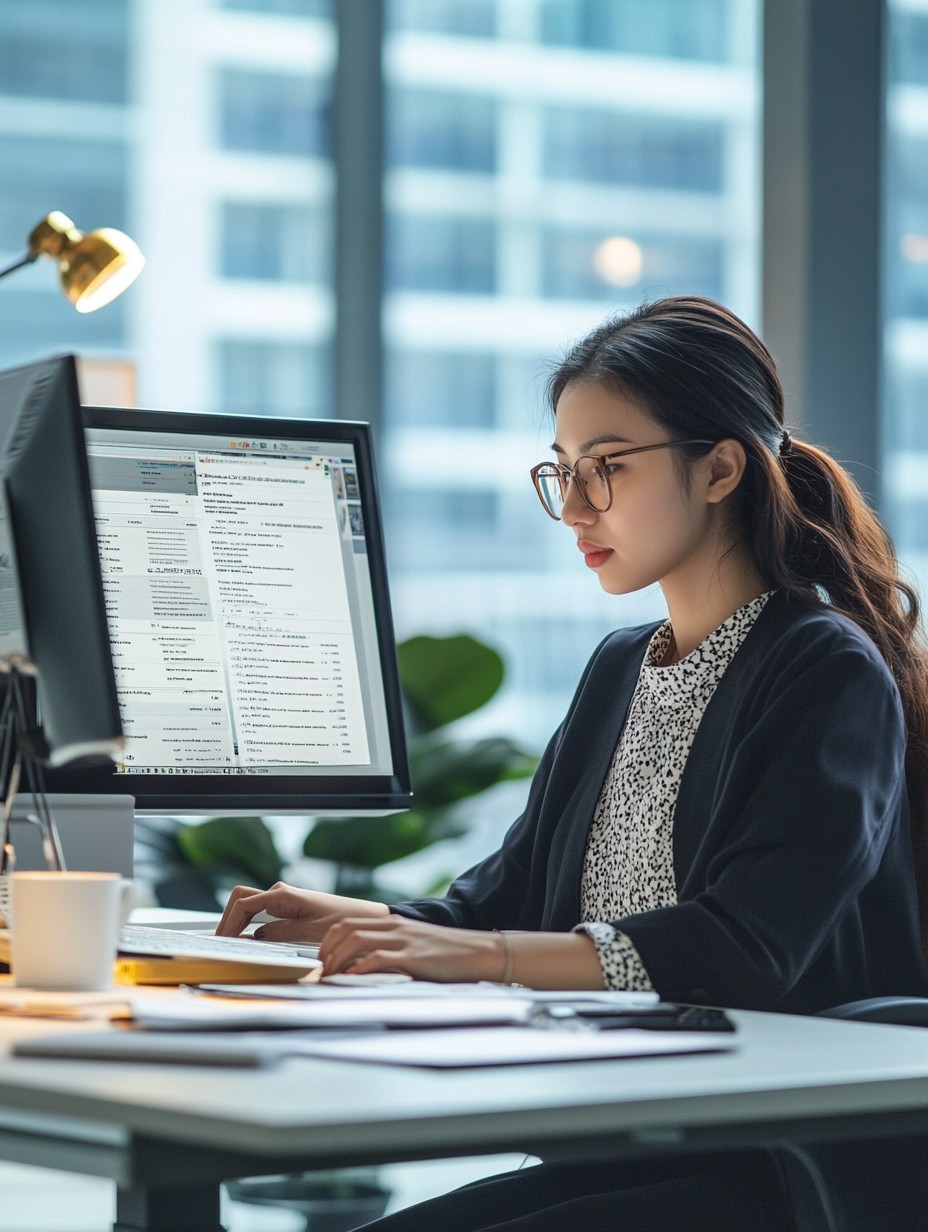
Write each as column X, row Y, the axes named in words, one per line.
column 628, row 866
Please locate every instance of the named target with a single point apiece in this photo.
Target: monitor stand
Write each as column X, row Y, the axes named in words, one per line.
column 22, row 750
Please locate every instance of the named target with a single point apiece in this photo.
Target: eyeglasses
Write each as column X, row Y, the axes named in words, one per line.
column 592, row 476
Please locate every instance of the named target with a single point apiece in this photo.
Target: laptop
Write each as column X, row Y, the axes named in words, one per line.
column 96, row 833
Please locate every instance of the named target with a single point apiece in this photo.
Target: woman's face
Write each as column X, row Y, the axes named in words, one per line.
column 656, row 529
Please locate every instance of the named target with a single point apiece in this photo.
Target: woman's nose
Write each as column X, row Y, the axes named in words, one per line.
column 575, row 510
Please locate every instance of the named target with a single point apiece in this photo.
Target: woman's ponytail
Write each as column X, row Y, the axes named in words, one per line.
column 816, row 537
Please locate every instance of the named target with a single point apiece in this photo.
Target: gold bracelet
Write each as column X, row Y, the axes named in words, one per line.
column 507, row 950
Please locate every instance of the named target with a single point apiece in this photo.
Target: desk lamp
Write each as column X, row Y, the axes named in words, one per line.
column 95, row 266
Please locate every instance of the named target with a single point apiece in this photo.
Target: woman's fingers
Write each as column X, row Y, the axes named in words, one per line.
column 346, row 942
column 424, row 951
column 239, row 910
column 245, row 902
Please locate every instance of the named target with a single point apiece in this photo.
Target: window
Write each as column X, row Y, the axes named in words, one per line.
column 906, row 352
column 42, row 323
column 61, row 50
column 908, row 182
column 432, row 388
column 908, row 427
column 523, row 206
column 85, row 179
column 419, row 521
column 441, row 254
column 277, row 243
column 271, row 378
column 506, row 174
column 273, row 113
column 453, row 131
column 672, row 29
column 471, row 18
column 642, row 150
column 281, row 8
column 580, row 264
column 909, row 47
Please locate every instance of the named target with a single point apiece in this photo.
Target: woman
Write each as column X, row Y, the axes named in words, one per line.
column 723, row 816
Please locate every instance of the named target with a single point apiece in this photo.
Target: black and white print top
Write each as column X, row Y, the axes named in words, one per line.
column 628, row 865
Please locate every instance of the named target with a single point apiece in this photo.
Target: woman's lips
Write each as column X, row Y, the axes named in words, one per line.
column 593, row 554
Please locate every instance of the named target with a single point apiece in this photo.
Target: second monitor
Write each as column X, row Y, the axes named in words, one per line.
column 246, row 593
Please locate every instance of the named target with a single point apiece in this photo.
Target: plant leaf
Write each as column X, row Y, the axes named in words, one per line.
column 368, row 842
column 445, row 678
column 160, row 862
column 445, row 771
column 240, row 848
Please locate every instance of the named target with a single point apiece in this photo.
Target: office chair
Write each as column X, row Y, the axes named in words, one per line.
column 865, row 1185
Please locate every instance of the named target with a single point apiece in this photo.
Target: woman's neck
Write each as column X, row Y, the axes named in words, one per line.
column 698, row 606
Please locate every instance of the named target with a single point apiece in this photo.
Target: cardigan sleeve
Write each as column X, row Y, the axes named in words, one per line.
column 500, row 891
column 790, row 835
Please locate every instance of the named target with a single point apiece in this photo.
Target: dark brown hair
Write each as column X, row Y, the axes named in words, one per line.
column 699, row 371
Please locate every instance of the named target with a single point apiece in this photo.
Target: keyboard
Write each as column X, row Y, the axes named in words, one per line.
column 150, row 955
column 145, row 939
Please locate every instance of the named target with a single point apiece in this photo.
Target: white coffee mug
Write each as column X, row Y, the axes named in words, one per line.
column 65, row 928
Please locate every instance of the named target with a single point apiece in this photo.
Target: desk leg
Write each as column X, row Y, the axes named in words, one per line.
column 168, row 1208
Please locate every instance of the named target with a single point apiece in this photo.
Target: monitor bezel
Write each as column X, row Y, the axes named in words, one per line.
column 264, row 795
column 45, row 477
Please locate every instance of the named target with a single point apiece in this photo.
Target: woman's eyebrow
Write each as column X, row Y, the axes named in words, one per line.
column 597, row 440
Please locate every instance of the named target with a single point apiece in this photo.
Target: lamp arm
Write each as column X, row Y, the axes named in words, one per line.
column 26, row 260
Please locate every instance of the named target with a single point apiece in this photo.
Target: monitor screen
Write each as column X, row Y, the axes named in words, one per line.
column 246, row 592
column 51, row 596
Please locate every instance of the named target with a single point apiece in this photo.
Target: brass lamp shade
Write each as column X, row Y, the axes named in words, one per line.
column 94, row 267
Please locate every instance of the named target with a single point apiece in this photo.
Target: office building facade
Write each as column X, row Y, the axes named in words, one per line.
column 547, row 162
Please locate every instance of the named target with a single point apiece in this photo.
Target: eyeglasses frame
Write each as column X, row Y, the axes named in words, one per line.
column 571, row 471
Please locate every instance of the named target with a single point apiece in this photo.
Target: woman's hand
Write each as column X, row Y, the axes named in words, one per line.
column 358, row 946
column 304, row 915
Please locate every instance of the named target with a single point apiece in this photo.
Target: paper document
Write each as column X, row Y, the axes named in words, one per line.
column 417, row 989
column 453, row 1049
column 195, row 1013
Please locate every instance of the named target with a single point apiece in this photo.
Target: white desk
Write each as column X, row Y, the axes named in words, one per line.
column 169, row 1134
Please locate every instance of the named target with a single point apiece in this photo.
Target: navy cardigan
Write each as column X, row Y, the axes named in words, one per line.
column 791, row 844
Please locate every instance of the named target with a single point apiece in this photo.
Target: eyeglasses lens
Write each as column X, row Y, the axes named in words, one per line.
column 552, row 488
column 593, row 484
column 554, row 483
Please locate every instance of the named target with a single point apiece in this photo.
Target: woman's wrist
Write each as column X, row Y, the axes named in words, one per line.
column 508, row 957
column 546, row 960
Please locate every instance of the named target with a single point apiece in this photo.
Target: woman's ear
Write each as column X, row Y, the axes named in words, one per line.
column 726, row 465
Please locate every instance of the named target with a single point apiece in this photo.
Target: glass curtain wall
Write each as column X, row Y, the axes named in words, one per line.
column 201, row 127
column 548, row 162
column 906, row 419
column 65, row 143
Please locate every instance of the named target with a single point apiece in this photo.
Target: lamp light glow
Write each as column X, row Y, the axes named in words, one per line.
column 94, row 267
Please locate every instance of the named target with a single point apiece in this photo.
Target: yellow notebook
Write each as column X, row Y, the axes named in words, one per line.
column 194, row 969
column 139, row 969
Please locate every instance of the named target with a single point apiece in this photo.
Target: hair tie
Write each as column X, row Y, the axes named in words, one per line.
column 786, row 442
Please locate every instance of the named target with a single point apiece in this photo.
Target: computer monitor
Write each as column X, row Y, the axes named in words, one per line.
column 246, row 591
column 52, row 609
